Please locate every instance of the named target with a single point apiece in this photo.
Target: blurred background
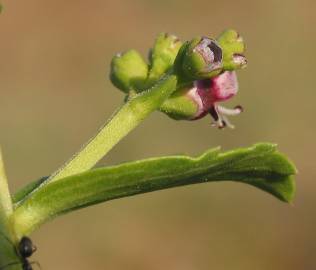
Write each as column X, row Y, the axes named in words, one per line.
column 55, row 93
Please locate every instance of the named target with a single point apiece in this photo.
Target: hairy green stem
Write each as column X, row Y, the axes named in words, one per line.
column 7, row 250
column 130, row 115
column 5, row 197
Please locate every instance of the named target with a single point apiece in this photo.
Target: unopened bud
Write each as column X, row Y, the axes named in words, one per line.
column 233, row 50
column 128, row 71
column 162, row 55
column 200, row 59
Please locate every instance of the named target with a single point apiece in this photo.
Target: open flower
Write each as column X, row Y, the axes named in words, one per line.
column 206, row 68
column 210, row 92
column 203, row 97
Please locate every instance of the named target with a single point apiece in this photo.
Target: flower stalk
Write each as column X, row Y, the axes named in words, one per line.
column 129, row 116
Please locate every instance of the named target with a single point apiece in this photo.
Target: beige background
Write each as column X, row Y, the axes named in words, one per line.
column 55, row 93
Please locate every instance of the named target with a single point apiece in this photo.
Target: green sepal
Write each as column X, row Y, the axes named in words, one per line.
column 180, row 105
column 128, row 71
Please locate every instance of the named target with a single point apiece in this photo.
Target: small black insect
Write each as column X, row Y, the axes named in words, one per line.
column 24, row 250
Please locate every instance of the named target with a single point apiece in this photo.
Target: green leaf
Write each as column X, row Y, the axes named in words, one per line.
column 260, row 165
column 25, row 191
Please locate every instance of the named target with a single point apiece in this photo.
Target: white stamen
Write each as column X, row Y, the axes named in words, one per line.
column 227, row 111
column 222, row 120
column 228, row 123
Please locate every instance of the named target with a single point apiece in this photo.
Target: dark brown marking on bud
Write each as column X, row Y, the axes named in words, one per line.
column 218, row 54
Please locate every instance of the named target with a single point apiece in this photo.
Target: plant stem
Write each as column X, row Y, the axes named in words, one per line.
column 130, row 115
column 7, row 250
column 5, row 197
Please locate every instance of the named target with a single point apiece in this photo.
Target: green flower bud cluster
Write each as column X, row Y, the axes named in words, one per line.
column 196, row 63
column 130, row 72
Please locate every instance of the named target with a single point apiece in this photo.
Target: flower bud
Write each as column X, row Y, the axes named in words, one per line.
column 233, row 50
column 128, row 71
column 201, row 58
column 201, row 97
column 162, row 55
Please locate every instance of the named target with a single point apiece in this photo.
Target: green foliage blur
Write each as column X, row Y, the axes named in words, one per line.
column 55, row 93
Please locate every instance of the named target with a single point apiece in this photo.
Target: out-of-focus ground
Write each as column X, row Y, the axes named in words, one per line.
column 55, row 93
